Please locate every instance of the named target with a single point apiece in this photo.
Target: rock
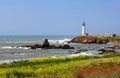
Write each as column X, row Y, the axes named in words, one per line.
column 45, row 46
column 98, row 41
column 45, row 43
column 112, row 50
column 63, row 47
column 117, row 47
column 32, row 46
column 67, row 47
column 83, row 50
column 77, row 52
column 102, row 50
column 85, row 41
column 35, row 46
column 89, row 39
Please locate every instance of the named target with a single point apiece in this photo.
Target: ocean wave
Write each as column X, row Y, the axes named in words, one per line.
column 6, row 61
column 22, row 42
column 63, row 41
column 14, row 60
column 59, row 41
column 7, row 47
column 87, row 53
column 13, row 47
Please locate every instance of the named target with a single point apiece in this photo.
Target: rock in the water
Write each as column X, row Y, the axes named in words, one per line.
column 64, row 47
column 102, row 50
column 35, row 46
column 32, row 46
column 45, row 43
column 112, row 50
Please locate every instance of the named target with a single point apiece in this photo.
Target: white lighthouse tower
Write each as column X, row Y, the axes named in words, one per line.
column 83, row 29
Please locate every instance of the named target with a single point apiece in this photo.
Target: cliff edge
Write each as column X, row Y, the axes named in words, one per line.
column 89, row 39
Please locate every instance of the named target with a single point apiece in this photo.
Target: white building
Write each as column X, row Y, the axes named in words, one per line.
column 83, row 29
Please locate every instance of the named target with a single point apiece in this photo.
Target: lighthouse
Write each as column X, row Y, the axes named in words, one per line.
column 83, row 29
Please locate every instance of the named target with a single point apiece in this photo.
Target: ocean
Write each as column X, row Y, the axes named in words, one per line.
column 9, row 50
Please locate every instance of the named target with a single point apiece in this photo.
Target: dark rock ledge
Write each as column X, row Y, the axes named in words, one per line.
column 45, row 45
column 111, row 50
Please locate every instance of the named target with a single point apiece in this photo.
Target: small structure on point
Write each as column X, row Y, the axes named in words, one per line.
column 84, row 30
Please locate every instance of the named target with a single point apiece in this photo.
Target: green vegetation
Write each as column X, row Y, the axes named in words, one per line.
column 62, row 67
column 114, row 38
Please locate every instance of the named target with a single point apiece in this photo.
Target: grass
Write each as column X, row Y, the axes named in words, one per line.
column 49, row 60
column 62, row 67
column 113, row 38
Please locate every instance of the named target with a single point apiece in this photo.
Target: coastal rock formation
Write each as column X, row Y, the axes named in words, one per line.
column 116, row 42
column 89, row 39
column 112, row 50
column 63, row 47
column 32, row 46
column 46, row 45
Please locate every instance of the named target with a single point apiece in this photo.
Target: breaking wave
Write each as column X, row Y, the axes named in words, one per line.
column 11, row 47
column 63, row 41
column 22, row 42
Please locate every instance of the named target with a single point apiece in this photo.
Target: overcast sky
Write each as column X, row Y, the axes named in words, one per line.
column 59, row 17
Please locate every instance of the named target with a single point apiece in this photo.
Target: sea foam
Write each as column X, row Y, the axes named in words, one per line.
column 13, row 47
column 63, row 41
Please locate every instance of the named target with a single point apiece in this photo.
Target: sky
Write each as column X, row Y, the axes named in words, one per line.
column 59, row 17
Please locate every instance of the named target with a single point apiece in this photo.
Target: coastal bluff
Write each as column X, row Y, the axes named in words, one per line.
column 89, row 39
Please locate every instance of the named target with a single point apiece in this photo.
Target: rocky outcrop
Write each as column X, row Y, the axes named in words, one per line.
column 45, row 45
column 89, row 39
column 111, row 50
column 63, row 47
column 116, row 42
column 49, row 47
column 32, row 46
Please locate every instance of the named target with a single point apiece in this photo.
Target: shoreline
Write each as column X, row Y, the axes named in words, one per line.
column 67, row 56
column 18, row 51
column 82, row 57
column 70, row 53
